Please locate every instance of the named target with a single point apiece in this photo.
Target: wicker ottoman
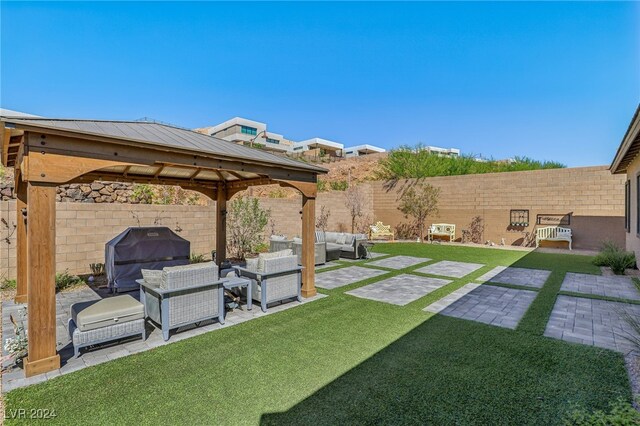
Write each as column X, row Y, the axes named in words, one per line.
column 100, row 321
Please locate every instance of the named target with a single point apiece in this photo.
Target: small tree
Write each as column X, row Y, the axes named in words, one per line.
column 419, row 201
column 354, row 200
column 246, row 221
column 322, row 221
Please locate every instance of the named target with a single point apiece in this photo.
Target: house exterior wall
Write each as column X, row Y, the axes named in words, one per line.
column 633, row 235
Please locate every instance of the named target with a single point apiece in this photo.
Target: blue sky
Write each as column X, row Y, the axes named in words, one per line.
column 547, row 80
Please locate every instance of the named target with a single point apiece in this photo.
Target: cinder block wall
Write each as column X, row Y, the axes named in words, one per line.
column 82, row 229
column 593, row 196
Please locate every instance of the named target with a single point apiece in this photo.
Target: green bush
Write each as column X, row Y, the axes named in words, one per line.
column 322, row 185
column 197, row 258
column 7, row 284
column 340, row 185
column 615, row 257
column 409, row 162
column 621, row 413
column 246, row 222
column 66, row 280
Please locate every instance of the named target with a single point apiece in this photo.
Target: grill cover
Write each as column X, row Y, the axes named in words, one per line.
column 142, row 248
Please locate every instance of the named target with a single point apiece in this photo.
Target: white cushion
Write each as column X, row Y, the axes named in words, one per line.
column 278, row 238
column 342, row 238
column 297, row 240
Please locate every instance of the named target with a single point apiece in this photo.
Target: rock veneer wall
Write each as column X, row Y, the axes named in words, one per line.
column 97, row 192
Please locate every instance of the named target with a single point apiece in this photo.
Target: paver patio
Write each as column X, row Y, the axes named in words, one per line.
column 438, row 306
column 372, row 255
column 503, row 307
column 399, row 290
column 516, row 276
column 14, row 377
column 448, row 268
column 610, row 286
column 399, row 262
column 591, row 322
column 345, row 276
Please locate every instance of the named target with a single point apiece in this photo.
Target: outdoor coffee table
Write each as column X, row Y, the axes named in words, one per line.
column 232, row 283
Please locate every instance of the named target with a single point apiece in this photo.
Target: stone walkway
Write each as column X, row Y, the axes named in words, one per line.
column 503, row 307
column 438, row 306
column 345, row 276
column 399, row 290
column 14, row 378
column 447, row 268
column 592, row 322
column 372, row 256
column 399, row 262
column 620, row 287
column 516, row 276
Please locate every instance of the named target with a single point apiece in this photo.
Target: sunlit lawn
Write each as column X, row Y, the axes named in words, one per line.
column 348, row 360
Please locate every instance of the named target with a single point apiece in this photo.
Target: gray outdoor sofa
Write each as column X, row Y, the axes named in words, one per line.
column 350, row 244
column 279, row 243
column 276, row 277
column 181, row 295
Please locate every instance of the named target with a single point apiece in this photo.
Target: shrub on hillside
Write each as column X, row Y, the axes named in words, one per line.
column 408, row 162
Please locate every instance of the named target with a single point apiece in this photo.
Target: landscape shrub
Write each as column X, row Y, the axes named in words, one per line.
column 620, row 413
column 65, row 280
column 416, row 162
column 246, row 222
column 616, row 258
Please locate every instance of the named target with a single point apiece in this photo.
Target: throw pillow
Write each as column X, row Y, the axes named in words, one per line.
column 342, row 238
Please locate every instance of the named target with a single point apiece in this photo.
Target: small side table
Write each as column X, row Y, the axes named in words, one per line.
column 232, row 283
column 368, row 245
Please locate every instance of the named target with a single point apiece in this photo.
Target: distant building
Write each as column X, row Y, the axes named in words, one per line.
column 243, row 131
column 247, row 132
column 442, row 152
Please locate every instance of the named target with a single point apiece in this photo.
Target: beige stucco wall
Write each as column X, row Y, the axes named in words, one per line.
column 632, row 237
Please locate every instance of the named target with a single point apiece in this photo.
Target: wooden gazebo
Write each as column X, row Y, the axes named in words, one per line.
column 48, row 152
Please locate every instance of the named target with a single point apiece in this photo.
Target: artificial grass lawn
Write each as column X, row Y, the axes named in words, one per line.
column 344, row 359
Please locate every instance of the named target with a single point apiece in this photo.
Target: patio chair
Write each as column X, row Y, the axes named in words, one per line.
column 320, row 251
column 276, row 277
column 182, row 295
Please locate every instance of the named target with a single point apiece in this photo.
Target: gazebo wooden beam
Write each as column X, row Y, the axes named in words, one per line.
column 221, row 224
column 21, row 242
column 131, row 154
column 41, row 292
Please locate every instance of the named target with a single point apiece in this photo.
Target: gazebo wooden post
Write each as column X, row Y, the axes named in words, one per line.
column 221, row 223
column 308, row 245
column 41, row 301
column 21, row 243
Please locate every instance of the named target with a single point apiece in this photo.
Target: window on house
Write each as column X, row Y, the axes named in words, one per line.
column 249, row 130
column 627, row 205
column 276, row 141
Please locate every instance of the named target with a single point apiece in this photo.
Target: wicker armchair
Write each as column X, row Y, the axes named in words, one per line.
column 320, row 251
column 181, row 295
column 276, row 277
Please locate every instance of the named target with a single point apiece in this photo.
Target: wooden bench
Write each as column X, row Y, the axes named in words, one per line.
column 442, row 230
column 380, row 230
column 553, row 233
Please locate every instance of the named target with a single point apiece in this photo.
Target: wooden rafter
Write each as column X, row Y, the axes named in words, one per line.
column 157, row 173
column 195, row 173
column 220, row 175
column 238, row 175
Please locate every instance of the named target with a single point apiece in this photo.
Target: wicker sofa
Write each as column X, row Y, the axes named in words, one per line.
column 181, row 295
column 350, row 244
column 279, row 243
column 276, row 277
